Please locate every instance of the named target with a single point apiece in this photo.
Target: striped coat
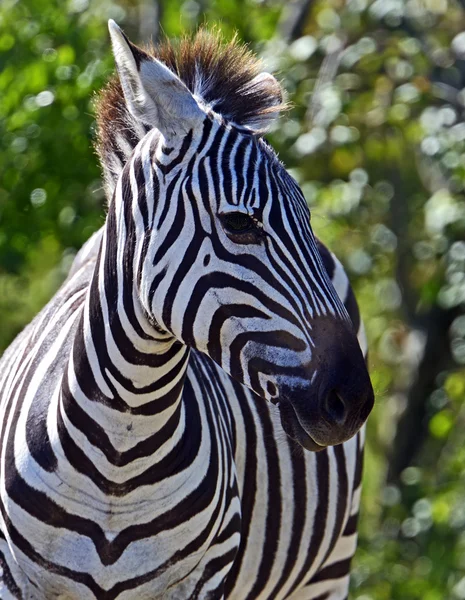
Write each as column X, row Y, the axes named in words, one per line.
column 139, row 455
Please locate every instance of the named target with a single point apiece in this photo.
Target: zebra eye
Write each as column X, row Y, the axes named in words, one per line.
column 238, row 222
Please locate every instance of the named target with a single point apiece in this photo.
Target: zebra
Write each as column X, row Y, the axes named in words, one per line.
column 184, row 419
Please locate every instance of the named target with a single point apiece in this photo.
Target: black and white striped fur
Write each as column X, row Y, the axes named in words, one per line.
column 140, row 458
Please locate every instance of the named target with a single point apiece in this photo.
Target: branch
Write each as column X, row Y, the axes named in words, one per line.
column 399, row 223
column 292, row 22
column 326, row 75
column 412, row 428
column 150, row 16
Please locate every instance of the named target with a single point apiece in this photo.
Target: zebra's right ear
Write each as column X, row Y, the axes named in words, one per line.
column 266, row 86
column 154, row 94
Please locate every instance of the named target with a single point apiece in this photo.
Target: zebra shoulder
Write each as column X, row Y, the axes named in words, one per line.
column 341, row 283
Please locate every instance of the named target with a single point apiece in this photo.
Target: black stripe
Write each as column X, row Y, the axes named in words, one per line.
column 337, row 570
column 300, row 509
column 249, row 485
column 186, row 144
column 320, row 517
column 351, row 525
column 8, row 579
column 273, row 517
column 342, row 493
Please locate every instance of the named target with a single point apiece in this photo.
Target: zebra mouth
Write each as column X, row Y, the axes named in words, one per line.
column 293, row 428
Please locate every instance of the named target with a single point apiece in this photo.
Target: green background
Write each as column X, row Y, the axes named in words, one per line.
column 376, row 139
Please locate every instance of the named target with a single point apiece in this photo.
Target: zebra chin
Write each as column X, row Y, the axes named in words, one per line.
column 295, row 430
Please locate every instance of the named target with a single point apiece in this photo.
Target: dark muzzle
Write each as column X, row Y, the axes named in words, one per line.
column 338, row 397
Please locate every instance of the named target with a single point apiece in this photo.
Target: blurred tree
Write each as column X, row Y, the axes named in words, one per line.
column 377, row 141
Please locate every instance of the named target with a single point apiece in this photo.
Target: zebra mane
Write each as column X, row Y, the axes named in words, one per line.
column 219, row 73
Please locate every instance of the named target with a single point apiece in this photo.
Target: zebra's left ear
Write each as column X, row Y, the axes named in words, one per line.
column 153, row 93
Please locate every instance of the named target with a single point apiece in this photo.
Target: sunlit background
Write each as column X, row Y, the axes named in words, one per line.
column 376, row 139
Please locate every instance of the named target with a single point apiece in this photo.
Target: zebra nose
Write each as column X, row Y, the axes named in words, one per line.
column 345, row 395
column 335, row 407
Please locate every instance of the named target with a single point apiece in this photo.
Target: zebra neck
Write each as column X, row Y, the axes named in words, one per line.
column 124, row 378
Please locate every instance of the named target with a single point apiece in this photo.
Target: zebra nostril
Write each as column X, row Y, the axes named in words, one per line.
column 335, row 407
column 271, row 388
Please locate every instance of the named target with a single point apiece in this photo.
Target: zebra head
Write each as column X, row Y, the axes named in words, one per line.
column 225, row 258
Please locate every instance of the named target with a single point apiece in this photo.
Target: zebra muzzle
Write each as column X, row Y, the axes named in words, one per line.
column 332, row 407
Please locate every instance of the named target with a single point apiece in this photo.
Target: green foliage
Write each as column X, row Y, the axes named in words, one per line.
column 50, row 190
column 376, row 140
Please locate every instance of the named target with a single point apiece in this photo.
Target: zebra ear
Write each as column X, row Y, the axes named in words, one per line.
column 153, row 93
column 266, row 86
